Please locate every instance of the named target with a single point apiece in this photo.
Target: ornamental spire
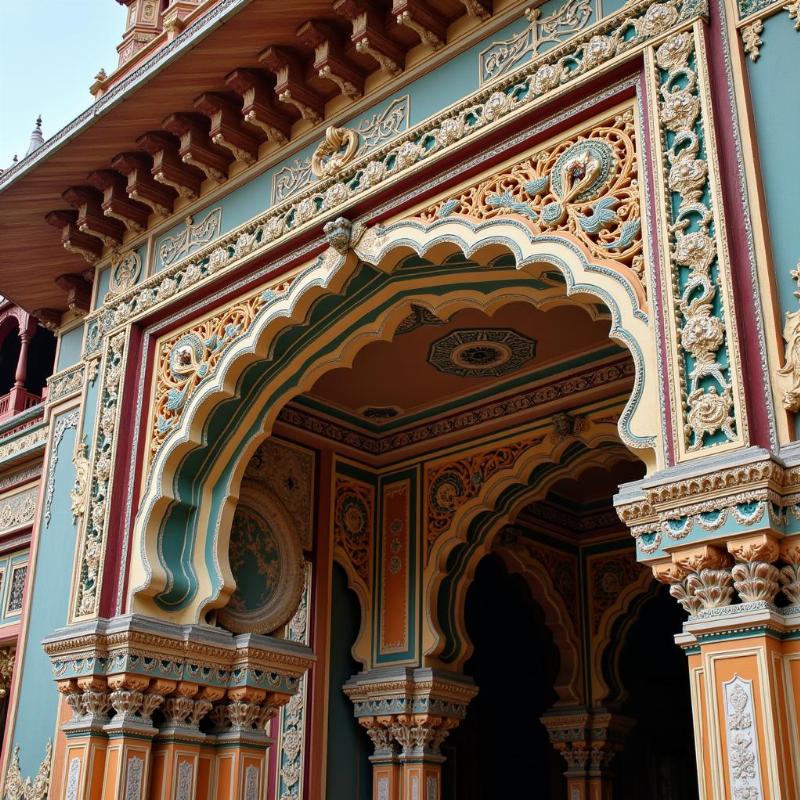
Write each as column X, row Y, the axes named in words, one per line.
column 37, row 139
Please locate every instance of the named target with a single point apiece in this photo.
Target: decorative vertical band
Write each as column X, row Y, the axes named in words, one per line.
column 87, row 591
column 292, row 726
column 703, row 355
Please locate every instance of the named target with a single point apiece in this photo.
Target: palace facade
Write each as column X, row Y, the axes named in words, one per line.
column 423, row 417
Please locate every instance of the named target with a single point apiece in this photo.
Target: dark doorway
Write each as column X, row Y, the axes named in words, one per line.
column 658, row 761
column 349, row 773
column 501, row 748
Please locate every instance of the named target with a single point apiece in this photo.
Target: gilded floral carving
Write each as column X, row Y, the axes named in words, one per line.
column 187, row 357
column 710, row 410
column 789, row 374
column 450, row 485
column 587, row 185
column 337, row 149
column 17, row 788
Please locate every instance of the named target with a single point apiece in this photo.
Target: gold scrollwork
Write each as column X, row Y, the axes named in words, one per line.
column 337, row 149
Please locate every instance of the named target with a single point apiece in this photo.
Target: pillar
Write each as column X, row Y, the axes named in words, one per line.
column 407, row 714
column 116, row 673
column 183, row 758
column 744, row 661
column 587, row 739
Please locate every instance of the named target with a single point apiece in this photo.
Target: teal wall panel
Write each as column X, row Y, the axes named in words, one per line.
column 103, row 283
column 69, row 352
column 775, row 91
column 49, row 603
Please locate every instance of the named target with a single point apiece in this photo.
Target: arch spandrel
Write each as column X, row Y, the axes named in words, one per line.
column 194, row 474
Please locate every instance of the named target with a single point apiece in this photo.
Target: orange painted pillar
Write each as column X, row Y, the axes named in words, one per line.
column 241, row 744
column 419, row 737
column 182, row 757
column 130, row 734
column 81, row 769
column 587, row 739
column 385, row 766
column 744, row 663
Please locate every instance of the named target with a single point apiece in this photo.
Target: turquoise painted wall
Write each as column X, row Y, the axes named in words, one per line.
column 775, row 91
column 69, row 352
column 348, row 772
column 49, row 602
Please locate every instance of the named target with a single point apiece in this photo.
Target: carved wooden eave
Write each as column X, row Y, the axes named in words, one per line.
column 290, row 83
column 196, row 148
column 423, row 19
column 369, row 34
column 198, row 101
column 73, row 239
column 258, row 107
column 330, row 59
column 168, row 168
column 141, row 186
column 78, row 291
column 227, row 128
column 116, row 203
column 87, row 201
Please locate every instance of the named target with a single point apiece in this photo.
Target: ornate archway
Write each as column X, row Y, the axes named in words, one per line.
column 357, row 292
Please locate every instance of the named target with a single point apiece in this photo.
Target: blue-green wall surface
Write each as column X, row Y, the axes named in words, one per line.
column 775, row 91
column 69, row 352
column 37, row 703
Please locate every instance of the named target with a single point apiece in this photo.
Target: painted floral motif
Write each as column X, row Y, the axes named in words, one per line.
column 481, row 352
column 266, row 561
column 288, row 472
column 609, row 576
column 450, row 485
column 16, row 594
column 587, row 185
column 353, row 523
column 99, row 485
column 709, row 411
column 125, row 271
column 63, row 424
column 292, row 715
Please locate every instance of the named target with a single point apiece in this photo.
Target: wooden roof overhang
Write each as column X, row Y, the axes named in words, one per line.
column 186, row 110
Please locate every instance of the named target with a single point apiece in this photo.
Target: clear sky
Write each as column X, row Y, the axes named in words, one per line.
column 50, row 51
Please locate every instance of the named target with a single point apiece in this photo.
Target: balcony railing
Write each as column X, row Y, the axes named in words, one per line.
column 16, row 401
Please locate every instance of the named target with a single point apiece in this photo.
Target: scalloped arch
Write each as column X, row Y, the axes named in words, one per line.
column 182, row 529
column 474, row 528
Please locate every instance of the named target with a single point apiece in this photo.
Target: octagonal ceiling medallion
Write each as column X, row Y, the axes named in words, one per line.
column 481, row 352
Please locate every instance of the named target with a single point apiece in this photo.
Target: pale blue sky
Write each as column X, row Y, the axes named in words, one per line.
column 50, row 51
